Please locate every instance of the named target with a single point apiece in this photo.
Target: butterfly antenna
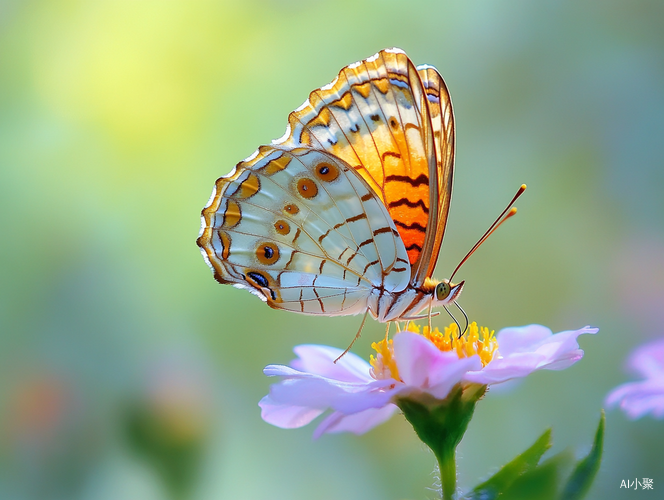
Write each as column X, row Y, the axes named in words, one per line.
column 465, row 316
column 455, row 320
column 357, row 336
column 506, row 214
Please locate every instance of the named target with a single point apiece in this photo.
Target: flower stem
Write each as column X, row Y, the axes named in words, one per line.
column 441, row 424
column 447, row 468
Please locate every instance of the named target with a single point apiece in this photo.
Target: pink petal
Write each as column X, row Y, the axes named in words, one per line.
column 521, row 338
column 285, row 371
column 503, row 369
column 637, row 399
column 562, row 349
column 358, row 423
column 313, row 391
column 423, row 366
column 539, row 338
column 319, row 359
column 648, row 359
column 529, row 348
column 286, row 417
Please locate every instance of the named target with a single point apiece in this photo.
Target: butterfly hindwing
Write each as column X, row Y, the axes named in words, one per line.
column 304, row 232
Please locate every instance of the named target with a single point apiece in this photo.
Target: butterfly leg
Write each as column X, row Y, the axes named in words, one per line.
column 419, row 316
column 357, row 336
column 430, row 330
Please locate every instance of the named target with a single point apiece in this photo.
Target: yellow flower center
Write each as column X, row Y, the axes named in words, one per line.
column 383, row 366
column 477, row 340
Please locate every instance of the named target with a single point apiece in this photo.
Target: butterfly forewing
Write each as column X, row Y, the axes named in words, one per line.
column 442, row 124
column 374, row 116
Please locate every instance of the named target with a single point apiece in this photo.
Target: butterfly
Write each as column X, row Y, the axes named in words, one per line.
column 345, row 213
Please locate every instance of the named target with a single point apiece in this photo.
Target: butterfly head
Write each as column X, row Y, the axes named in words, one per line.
column 447, row 292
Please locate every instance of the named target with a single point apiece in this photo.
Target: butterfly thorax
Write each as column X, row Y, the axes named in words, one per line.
column 414, row 299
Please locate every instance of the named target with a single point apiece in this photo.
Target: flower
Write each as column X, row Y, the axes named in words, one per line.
column 418, row 367
column 646, row 396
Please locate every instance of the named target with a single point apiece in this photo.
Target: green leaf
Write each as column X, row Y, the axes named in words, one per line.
column 582, row 478
column 540, row 483
column 523, row 463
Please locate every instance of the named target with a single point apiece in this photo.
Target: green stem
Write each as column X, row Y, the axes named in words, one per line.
column 447, row 468
column 441, row 424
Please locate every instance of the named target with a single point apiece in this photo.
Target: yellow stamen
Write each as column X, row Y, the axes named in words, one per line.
column 466, row 346
column 383, row 366
column 478, row 340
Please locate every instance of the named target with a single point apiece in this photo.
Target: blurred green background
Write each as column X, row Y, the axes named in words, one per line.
column 127, row 372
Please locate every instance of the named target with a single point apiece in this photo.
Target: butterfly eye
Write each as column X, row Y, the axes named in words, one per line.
column 327, row 172
column 442, row 290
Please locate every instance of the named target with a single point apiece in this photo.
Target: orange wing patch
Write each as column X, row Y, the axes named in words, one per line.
column 409, row 210
column 375, row 117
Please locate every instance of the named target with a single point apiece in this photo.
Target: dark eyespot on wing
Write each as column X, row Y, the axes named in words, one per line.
column 259, row 278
